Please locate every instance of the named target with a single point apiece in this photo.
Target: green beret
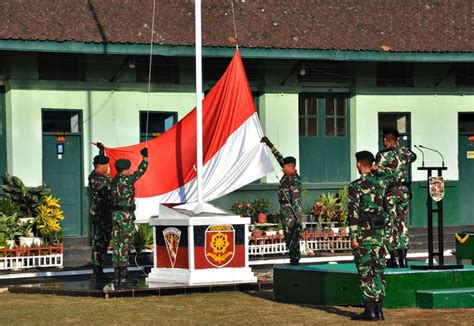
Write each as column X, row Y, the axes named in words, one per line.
column 101, row 159
column 365, row 156
column 391, row 131
column 122, row 164
column 288, row 160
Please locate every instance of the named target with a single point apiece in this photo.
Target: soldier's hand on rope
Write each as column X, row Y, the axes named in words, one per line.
column 144, row 152
column 354, row 244
column 266, row 141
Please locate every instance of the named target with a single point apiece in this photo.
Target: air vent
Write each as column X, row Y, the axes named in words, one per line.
column 395, row 74
column 464, row 74
column 214, row 68
column 59, row 66
column 327, row 72
column 164, row 69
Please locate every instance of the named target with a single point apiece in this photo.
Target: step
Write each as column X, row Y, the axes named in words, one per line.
column 445, row 298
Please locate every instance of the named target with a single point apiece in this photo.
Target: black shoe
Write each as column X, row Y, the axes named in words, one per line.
column 368, row 314
column 393, row 262
column 402, row 255
column 295, row 260
column 99, row 276
column 378, row 311
column 121, row 278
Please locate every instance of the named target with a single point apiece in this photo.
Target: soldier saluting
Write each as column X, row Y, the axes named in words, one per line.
column 123, row 214
column 393, row 162
column 366, row 219
column 289, row 196
column 100, row 212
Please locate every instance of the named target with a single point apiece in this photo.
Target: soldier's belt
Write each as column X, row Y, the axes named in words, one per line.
column 124, row 208
column 376, row 221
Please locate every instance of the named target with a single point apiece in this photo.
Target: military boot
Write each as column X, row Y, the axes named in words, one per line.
column 99, row 275
column 295, row 260
column 120, row 276
column 402, row 255
column 378, row 311
column 393, row 262
column 368, row 314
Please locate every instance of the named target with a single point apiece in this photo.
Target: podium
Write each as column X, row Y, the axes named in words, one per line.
column 439, row 211
column 209, row 247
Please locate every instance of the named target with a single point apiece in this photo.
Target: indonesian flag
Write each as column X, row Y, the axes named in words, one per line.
column 232, row 153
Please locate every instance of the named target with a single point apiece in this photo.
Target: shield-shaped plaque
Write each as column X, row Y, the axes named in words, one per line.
column 172, row 236
column 220, row 245
column 436, row 188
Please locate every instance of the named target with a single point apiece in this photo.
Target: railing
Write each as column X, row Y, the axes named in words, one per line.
column 25, row 257
column 310, row 242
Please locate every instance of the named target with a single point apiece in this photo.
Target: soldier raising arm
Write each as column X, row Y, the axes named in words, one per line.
column 123, row 214
column 289, row 197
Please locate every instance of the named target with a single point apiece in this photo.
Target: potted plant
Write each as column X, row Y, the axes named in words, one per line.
column 343, row 196
column 47, row 221
column 261, row 207
column 143, row 243
column 9, row 229
column 242, row 208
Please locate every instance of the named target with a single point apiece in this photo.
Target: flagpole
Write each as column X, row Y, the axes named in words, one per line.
column 197, row 9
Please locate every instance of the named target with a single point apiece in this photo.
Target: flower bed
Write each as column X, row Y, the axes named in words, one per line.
column 26, row 257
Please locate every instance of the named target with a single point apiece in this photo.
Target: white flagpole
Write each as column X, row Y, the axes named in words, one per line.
column 199, row 150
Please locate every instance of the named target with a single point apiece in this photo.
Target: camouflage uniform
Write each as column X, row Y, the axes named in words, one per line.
column 123, row 216
column 394, row 162
column 100, row 213
column 289, row 196
column 366, row 202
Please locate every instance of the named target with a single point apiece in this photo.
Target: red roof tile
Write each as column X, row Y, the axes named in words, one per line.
column 380, row 25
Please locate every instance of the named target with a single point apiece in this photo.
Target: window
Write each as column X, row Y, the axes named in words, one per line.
column 59, row 66
column 308, row 116
column 395, row 74
column 61, row 121
column 400, row 121
column 335, row 116
column 164, row 69
column 158, row 123
column 466, row 122
column 464, row 74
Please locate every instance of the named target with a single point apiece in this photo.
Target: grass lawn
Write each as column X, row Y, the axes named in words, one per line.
column 224, row 308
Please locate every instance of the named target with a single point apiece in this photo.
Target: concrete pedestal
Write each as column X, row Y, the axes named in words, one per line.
column 200, row 245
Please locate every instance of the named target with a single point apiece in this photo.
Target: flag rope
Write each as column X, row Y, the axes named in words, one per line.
column 235, row 28
column 149, row 71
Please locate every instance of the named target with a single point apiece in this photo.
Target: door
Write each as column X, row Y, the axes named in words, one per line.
column 400, row 121
column 466, row 168
column 324, row 138
column 3, row 133
column 62, row 165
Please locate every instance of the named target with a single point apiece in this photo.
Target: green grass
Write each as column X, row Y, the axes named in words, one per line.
column 226, row 308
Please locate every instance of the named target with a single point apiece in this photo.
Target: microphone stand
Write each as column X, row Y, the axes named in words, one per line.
column 439, row 211
column 422, row 155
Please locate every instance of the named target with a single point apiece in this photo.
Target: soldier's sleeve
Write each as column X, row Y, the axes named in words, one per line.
column 297, row 201
column 353, row 210
column 277, row 155
column 411, row 156
column 139, row 172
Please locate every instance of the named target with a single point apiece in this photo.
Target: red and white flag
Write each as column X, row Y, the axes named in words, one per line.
column 232, row 153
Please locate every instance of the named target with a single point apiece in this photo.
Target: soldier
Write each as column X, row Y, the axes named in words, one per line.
column 123, row 216
column 394, row 161
column 289, row 196
column 366, row 219
column 100, row 212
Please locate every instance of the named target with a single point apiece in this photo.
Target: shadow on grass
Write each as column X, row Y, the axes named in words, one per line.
column 336, row 310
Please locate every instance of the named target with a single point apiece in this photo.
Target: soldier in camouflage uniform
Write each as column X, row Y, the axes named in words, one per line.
column 123, row 216
column 367, row 219
column 289, row 196
column 394, row 161
column 100, row 212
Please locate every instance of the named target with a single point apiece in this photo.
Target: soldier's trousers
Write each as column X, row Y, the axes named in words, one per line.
column 123, row 230
column 291, row 231
column 370, row 261
column 101, row 234
column 396, row 223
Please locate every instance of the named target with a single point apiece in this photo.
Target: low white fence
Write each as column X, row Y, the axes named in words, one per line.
column 310, row 243
column 23, row 258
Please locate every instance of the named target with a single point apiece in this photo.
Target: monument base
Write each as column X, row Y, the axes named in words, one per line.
column 201, row 277
column 200, row 244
